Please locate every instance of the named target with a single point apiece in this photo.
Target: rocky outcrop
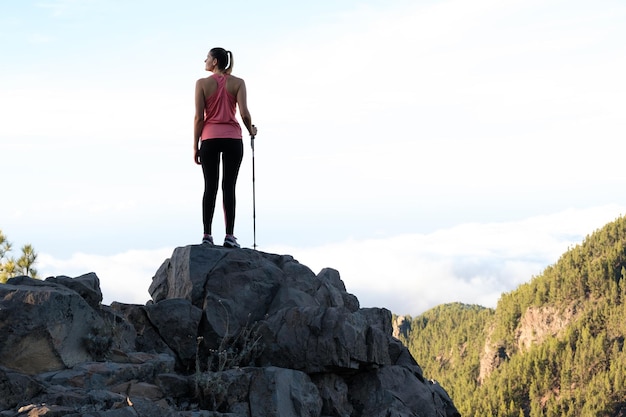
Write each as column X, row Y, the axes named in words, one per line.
column 536, row 324
column 228, row 333
column 539, row 323
column 492, row 356
column 401, row 327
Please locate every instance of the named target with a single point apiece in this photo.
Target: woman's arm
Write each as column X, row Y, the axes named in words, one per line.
column 198, row 121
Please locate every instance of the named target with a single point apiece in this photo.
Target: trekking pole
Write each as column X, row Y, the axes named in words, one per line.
column 253, row 195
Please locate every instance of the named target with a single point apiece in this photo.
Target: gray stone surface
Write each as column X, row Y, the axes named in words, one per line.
column 228, row 333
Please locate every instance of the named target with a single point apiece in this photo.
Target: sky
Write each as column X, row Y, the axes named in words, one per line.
column 431, row 151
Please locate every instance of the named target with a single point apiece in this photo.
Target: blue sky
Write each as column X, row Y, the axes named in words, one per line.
column 431, row 151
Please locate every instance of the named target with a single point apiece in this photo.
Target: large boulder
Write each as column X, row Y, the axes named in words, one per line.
column 228, row 333
column 317, row 339
column 45, row 326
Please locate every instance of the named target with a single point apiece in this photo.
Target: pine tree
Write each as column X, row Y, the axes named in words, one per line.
column 11, row 267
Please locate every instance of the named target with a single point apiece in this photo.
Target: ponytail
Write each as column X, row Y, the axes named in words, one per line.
column 229, row 66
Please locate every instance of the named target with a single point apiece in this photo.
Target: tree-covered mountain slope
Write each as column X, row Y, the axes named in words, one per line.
column 552, row 347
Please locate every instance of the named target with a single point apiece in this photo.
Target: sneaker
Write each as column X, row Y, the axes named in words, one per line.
column 207, row 239
column 230, row 241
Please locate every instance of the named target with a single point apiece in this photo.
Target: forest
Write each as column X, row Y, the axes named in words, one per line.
column 552, row 347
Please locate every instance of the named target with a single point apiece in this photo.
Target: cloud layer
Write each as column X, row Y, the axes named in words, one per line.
column 408, row 274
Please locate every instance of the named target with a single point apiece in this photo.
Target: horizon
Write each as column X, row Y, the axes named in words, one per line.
column 426, row 150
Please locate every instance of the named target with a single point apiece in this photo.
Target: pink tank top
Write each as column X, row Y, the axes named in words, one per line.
column 219, row 113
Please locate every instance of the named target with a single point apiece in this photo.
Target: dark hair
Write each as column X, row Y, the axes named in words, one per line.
column 224, row 58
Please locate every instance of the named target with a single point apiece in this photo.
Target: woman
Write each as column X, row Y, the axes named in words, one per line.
column 217, row 133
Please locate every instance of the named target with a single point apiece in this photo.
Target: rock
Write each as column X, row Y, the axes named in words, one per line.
column 228, row 333
column 175, row 385
column 16, row 388
column 401, row 327
column 331, row 291
column 322, row 339
column 104, row 375
column 87, row 286
column 268, row 391
column 147, row 336
column 442, row 395
column 44, row 326
column 283, row 392
column 394, row 391
column 177, row 322
column 333, row 391
column 539, row 323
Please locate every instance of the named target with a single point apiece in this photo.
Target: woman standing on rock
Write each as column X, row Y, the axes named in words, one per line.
column 216, row 133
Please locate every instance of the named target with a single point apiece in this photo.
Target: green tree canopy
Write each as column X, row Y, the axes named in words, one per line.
column 577, row 369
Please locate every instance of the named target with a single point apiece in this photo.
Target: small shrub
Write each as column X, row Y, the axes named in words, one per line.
column 233, row 352
column 99, row 341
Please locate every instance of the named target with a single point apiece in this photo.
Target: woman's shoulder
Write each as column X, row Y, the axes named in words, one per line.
column 235, row 79
column 206, row 80
column 207, row 85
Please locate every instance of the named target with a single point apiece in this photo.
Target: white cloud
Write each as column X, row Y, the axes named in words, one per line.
column 471, row 263
column 124, row 277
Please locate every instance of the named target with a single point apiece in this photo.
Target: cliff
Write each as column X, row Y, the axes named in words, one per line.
column 236, row 333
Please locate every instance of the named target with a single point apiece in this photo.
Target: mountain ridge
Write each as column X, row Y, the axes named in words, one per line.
column 551, row 347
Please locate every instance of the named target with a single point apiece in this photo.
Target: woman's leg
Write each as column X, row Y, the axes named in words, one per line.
column 210, row 159
column 231, row 158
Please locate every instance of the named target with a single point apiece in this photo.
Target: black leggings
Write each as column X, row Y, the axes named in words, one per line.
column 232, row 154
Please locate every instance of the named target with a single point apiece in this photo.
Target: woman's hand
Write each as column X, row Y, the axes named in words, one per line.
column 196, row 156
